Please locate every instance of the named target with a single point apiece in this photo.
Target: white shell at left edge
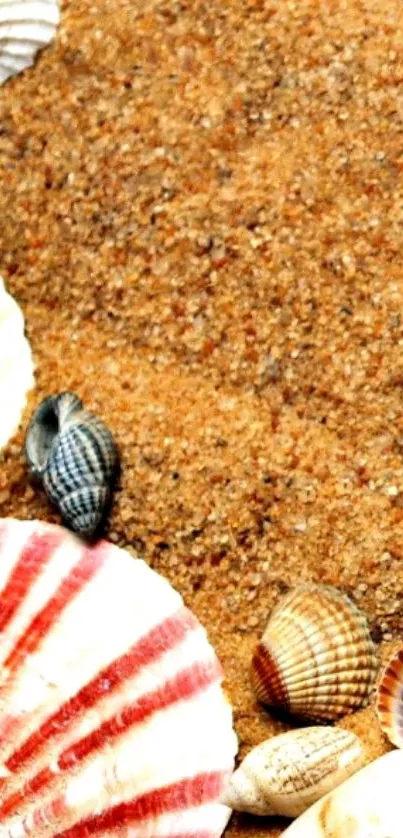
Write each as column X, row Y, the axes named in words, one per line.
column 16, row 365
column 368, row 805
column 26, row 26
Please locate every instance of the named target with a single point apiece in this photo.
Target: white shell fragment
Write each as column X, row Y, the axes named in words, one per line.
column 286, row 774
column 26, row 26
column 113, row 720
column 368, row 805
column 16, row 365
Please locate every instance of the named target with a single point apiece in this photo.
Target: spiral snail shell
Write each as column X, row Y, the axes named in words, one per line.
column 286, row 774
column 74, row 455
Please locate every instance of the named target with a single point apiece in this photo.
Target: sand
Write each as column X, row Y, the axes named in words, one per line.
column 201, row 216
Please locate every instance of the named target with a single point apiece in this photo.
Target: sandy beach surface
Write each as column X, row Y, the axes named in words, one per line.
column 202, row 217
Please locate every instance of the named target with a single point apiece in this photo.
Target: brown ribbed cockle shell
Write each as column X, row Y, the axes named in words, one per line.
column 316, row 658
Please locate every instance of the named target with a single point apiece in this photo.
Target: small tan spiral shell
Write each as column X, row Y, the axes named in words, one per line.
column 286, row 774
column 316, row 658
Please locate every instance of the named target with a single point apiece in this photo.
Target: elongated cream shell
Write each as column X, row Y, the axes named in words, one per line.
column 286, row 774
column 316, row 658
column 368, row 805
column 389, row 701
column 113, row 720
column 16, row 365
column 25, row 27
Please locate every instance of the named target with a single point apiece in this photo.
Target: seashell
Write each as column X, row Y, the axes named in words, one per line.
column 75, row 457
column 389, row 701
column 286, row 774
column 113, row 721
column 316, row 658
column 16, row 366
column 26, row 26
column 368, row 805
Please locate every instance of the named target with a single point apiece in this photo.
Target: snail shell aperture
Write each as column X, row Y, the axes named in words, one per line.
column 74, row 455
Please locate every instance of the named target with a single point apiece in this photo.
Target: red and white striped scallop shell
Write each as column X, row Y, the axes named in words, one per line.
column 113, row 721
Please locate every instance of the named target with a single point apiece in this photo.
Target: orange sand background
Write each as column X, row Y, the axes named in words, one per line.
column 201, row 216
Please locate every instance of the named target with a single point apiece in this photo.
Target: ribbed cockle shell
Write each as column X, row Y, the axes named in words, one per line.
column 389, row 701
column 368, row 805
column 74, row 454
column 316, row 658
column 113, row 721
column 286, row 774
column 26, row 26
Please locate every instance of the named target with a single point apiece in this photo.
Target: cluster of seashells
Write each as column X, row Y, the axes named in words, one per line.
column 317, row 661
column 68, row 739
column 74, row 711
column 100, row 732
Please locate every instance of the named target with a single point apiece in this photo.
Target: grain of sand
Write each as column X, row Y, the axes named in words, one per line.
column 202, row 218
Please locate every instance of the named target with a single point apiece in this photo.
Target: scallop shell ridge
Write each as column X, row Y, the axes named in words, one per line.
column 106, row 676
column 26, row 26
column 389, row 701
column 316, row 658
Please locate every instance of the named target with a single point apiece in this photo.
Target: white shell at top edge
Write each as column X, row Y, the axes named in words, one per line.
column 16, row 365
column 368, row 805
column 113, row 720
column 286, row 774
column 26, row 26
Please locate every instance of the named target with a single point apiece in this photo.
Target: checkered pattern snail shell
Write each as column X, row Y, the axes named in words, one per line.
column 74, row 455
